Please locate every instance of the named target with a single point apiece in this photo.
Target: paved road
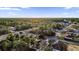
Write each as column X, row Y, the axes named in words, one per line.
column 69, row 42
column 3, row 37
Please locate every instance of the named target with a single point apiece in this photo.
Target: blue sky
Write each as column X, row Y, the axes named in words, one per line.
column 39, row 12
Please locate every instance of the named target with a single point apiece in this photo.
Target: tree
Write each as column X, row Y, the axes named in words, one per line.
column 6, row 45
column 10, row 37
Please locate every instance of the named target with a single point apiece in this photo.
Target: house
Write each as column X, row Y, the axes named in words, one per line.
column 66, row 23
column 12, row 28
column 76, row 32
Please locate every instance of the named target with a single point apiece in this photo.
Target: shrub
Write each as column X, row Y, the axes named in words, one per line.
column 22, row 27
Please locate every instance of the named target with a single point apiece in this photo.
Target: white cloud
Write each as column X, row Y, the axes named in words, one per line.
column 26, row 7
column 67, row 7
column 12, row 13
column 77, row 11
column 9, row 8
column 65, row 13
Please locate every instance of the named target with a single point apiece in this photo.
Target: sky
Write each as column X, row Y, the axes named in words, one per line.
column 39, row 12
